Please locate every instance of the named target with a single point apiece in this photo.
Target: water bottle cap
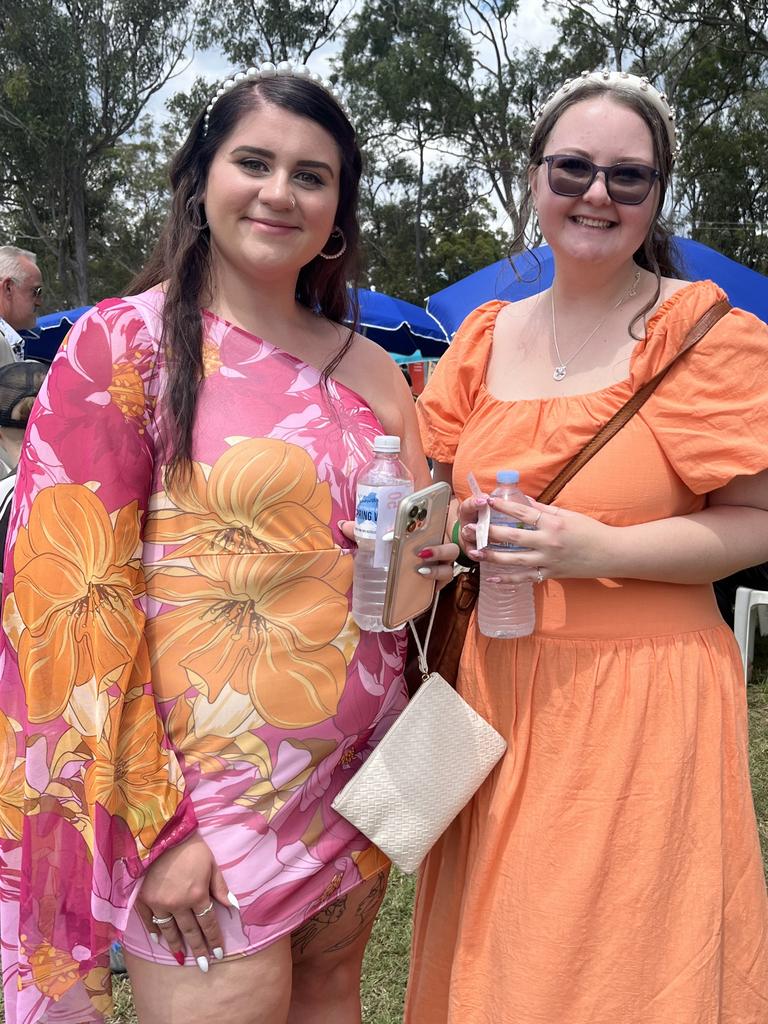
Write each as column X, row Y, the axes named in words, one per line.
column 386, row 443
column 507, row 476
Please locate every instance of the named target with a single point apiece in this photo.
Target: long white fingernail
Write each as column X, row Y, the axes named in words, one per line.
column 232, row 900
column 218, row 952
column 424, row 571
column 202, row 963
column 155, row 938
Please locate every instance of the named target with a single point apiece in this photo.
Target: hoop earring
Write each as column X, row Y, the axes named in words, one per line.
column 336, row 233
column 196, row 214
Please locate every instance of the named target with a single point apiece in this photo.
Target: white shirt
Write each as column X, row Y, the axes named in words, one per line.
column 11, row 344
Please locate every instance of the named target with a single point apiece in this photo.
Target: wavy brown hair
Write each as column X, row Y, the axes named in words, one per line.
column 656, row 253
column 181, row 259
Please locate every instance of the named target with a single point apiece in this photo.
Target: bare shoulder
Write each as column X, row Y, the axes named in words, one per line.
column 371, row 371
column 669, row 286
column 512, row 314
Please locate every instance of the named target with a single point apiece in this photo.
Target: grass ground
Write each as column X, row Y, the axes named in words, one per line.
column 386, row 962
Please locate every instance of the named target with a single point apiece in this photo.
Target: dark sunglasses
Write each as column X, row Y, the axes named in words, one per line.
column 625, row 183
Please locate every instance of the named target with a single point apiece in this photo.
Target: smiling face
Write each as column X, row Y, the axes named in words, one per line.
column 271, row 195
column 592, row 228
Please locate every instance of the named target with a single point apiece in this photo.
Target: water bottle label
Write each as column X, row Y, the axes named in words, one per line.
column 375, row 516
column 504, row 521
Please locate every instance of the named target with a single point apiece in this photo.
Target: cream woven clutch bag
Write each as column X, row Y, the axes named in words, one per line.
column 427, row 767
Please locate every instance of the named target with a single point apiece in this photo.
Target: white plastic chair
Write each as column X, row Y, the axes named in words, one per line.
column 751, row 608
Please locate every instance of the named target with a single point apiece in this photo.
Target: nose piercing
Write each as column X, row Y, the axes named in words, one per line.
column 293, row 202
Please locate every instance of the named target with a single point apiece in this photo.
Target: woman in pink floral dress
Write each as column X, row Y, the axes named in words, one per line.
column 183, row 689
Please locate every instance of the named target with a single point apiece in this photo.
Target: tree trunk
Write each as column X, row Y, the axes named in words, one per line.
column 417, row 228
column 79, row 225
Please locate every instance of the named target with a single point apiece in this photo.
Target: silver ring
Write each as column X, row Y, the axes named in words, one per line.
column 207, row 910
column 536, row 520
column 539, row 576
column 161, row 920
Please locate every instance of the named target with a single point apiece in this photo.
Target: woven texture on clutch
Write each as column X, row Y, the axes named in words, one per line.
column 430, row 763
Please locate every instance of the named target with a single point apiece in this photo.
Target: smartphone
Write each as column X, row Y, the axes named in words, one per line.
column 419, row 523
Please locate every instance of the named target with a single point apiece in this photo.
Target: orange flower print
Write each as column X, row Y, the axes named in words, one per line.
column 262, row 624
column 54, row 972
column 72, row 613
column 262, row 495
column 11, row 783
column 211, row 359
column 127, row 389
column 129, row 775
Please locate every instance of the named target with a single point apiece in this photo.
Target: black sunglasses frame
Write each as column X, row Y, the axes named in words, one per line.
column 608, row 172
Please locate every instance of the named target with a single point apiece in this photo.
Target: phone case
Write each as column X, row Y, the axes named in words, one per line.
column 419, row 523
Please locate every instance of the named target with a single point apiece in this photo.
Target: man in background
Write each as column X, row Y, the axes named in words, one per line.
column 21, row 289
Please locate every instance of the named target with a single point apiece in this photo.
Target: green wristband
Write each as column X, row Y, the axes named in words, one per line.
column 463, row 558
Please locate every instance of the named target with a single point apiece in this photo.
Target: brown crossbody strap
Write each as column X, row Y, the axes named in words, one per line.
column 705, row 322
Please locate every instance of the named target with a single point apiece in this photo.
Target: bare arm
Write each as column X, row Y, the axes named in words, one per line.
column 697, row 548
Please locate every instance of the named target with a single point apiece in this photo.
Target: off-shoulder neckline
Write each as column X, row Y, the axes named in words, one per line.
column 619, row 386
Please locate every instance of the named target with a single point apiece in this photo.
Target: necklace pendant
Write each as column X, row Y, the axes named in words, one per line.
column 560, row 372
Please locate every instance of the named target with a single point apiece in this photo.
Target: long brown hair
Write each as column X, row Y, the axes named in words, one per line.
column 181, row 258
column 656, row 253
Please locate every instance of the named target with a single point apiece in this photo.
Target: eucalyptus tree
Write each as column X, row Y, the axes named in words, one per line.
column 75, row 78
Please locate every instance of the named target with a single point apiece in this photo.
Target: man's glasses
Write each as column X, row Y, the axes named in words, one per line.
column 625, row 183
column 37, row 290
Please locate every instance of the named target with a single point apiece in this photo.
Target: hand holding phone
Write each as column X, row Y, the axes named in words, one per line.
column 419, row 523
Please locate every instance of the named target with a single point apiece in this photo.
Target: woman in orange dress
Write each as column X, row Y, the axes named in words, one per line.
column 608, row 871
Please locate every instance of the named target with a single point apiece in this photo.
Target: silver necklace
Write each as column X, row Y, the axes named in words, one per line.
column 561, row 369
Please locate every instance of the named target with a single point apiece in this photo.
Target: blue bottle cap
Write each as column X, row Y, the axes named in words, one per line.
column 507, row 476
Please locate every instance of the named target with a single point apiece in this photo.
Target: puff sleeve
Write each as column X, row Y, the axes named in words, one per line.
column 710, row 413
column 452, row 390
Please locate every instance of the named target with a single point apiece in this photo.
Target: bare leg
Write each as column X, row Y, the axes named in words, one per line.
column 255, row 989
column 328, row 956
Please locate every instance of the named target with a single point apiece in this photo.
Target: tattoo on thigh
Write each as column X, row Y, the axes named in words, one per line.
column 362, row 918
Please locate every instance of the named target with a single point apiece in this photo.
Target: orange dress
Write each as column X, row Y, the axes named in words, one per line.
column 609, row 871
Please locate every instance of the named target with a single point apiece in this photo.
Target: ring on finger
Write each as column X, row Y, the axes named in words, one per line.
column 207, row 910
column 161, row 920
column 538, row 517
column 539, row 575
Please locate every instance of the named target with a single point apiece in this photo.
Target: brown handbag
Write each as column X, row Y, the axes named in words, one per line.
column 457, row 599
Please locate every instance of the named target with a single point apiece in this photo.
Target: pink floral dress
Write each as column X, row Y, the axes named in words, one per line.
column 178, row 656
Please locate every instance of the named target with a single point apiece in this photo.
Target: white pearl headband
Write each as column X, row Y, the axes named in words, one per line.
column 621, row 81
column 267, row 71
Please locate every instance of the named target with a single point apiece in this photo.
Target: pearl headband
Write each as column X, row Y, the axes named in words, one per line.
column 621, row 81
column 266, row 71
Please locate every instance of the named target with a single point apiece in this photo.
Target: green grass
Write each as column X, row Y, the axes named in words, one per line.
column 386, row 962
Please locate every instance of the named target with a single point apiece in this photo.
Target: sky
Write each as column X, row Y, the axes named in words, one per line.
column 533, row 27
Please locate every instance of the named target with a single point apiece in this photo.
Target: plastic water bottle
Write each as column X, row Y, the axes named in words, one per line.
column 503, row 610
column 380, row 487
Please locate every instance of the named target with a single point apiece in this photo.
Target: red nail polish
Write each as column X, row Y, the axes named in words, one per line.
column 179, row 957
column 426, row 553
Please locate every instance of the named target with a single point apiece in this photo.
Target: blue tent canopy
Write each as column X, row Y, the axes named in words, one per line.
column 398, row 326
column 49, row 332
column 745, row 288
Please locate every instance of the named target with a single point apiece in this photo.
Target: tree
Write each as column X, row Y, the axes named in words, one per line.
column 76, row 76
column 398, row 61
column 250, row 31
